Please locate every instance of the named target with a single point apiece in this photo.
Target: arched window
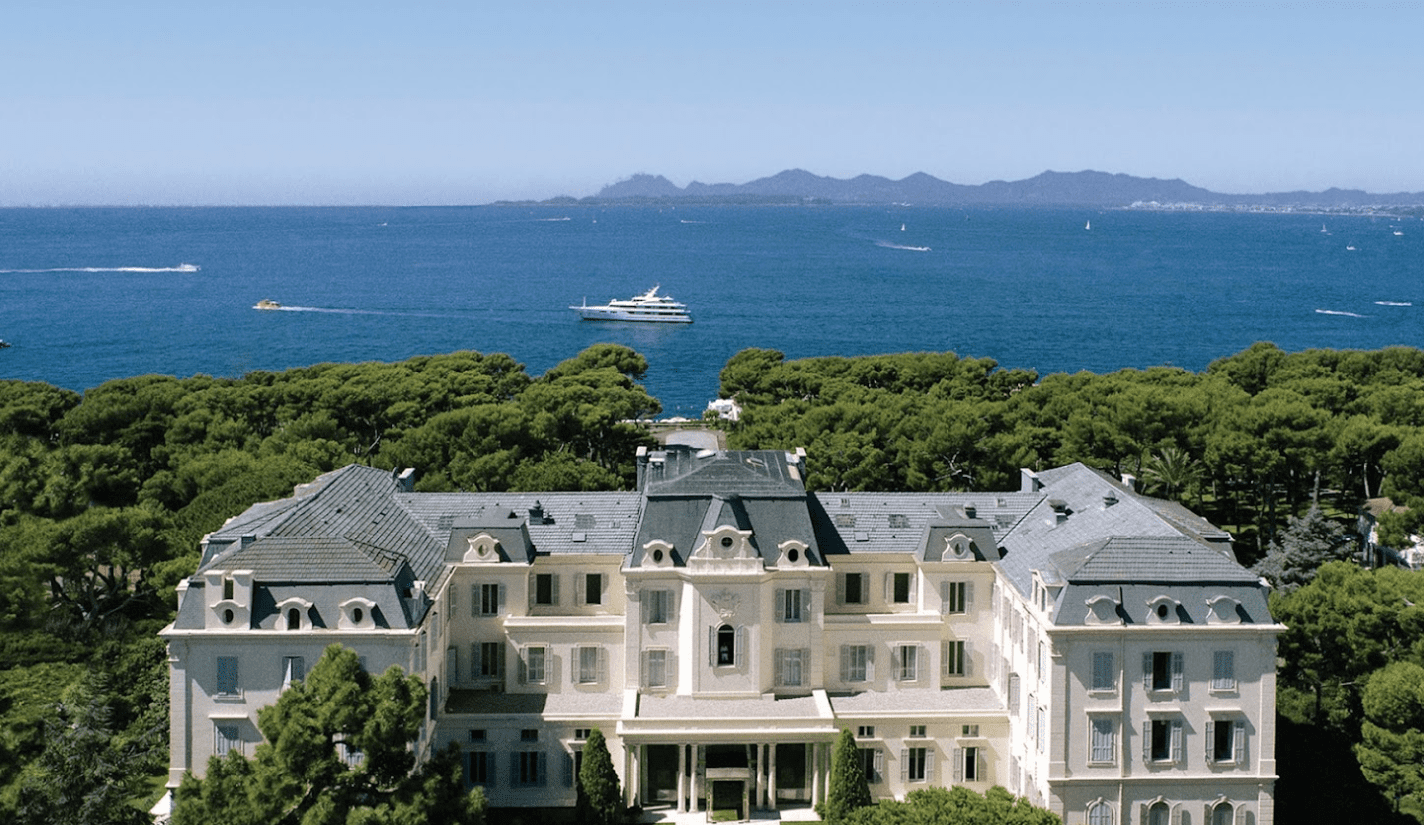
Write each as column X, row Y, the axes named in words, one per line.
column 1222, row 814
column 1099, row 813
column 726, row 645
column 294, row 619
column 1158, row 814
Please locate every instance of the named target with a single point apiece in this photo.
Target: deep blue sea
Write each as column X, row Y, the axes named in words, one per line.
column 87, row 295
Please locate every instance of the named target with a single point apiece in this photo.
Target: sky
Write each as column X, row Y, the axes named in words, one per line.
column 418, row 102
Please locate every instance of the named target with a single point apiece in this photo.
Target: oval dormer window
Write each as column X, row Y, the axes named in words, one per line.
column 793, row 555
column 228, row 616
column 294, row 619
column 1162, row 611
column 727, row 542
column 657, row 556
column 358, row 615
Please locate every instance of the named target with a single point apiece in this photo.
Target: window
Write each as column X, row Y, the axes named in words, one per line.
column 872, row 764
column 226, row 737
column 788, row 606
column 1039, row 666
column 956, row 597
column 294, row 669
column 1162, row 740
column 1223, row 670
column 968, row 730
column 580, row 734
column 655, row 668
column 590, row 665
column 1042, row 724
column 478, row 768
column 916, row 764
column 856, row 663
column 1102, row 747
column 657, row 606
column 228, row 587
column 1014, row 694
column 488, row 660
column 865, row 731
column 484, row 599
column 917, row 731
column 477, row 734
column 1222, row 814
column 1158, row 813
column 1225, row 741
column 966, row 765
column 533, row 664
column 726, row 645
column 1162, row 670
column 294, row 619
column 227, row 676
column 790, row 667
column 1099, row 813
column 852, row 588
column 1104, row 677
column 546, row 589
column 592, row 588
column 909, row 658
column 529, row 735
column 955, row 658
column 528, row 768
column 900, row 591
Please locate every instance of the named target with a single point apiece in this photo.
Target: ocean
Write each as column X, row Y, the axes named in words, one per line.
column 92, row 294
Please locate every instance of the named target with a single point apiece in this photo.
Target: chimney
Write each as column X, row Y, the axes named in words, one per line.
column 406, row 480
column 1060, row 510
column 536, row 514
column 970, row 511
column 1109, row 500
column 1129, row 481
column 642, row 468
column 1028, row 481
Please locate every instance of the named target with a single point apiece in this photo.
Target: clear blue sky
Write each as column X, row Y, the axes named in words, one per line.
column 415, row 102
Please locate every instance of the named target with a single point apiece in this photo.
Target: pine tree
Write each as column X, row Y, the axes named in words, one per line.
column 600, row 797
column 849, row 789
column 1307, row 542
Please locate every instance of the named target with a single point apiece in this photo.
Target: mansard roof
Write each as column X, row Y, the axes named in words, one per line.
column 681, row 471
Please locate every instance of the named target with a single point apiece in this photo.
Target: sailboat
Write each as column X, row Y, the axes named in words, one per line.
column 1088, row 225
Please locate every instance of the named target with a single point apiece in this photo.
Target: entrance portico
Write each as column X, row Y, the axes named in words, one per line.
column 699, row 754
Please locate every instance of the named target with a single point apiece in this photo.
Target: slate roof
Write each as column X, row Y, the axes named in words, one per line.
column 1149, row 559
column 603, row 523
column 680, row 471
column 896, row 522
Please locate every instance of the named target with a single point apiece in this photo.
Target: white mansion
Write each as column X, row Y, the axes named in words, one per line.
column 1097, row 651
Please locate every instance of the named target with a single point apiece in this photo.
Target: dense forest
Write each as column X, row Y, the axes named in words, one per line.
column 104, row 498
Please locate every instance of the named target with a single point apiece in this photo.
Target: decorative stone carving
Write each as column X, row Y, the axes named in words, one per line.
column 725, row 602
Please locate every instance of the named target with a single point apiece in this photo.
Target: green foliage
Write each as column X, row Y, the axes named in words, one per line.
column 1392, row 751
column 1307, row 542
column 938, row 806
column 298, row 774
column 848, row 790
column 600, row 799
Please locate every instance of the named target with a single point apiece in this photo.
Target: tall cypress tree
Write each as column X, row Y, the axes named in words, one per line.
column 848, row 789
column 600, row 797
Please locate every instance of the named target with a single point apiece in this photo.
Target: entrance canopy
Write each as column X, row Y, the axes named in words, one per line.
column 682, row 719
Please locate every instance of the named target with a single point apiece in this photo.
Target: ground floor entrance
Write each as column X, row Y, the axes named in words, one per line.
column 727, row 777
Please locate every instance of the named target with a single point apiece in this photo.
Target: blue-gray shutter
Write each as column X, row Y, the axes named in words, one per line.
column 1177, row 672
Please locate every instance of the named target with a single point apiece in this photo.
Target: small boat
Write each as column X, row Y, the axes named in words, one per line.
column 1350, row 248
column 186, row 268
column 902, row 227
column 650, row 306
column 1397, row 233
column 266, row 304
column 1088, row 225
column 1323, row 229
column 4, row 344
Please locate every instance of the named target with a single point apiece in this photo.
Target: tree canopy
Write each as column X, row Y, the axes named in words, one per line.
column 939, row 806
column 338, row 748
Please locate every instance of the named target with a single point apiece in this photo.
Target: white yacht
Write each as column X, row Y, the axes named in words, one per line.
column 650, row 306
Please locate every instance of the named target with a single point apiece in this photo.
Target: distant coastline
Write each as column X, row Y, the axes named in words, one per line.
column 796, row 187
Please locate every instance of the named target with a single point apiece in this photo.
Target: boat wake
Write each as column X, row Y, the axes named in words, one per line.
column 178, row 268
column 335, row 311
column 1395, row 303
column 1339, row 312
column 888, row 245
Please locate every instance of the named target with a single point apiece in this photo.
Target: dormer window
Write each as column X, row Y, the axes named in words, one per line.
column 1163, row 610
column 357, row 614
column 1102, row 610
column 658, row 553
column 959, row 546
column 292, row 614
column 1223, row 610
column 793, row 554
column 481, row 548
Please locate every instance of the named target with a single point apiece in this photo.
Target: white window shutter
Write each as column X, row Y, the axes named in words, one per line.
column 1210, row 742
column 889, row 587
column 712, row 646
column 739, row 653
column 1177, row 672
column 670, row 662
column 580, row 585
column 1240, row 815
column 968, row 659
column 845, row 663
column 533, row 589
column 1177, row 815
column 474, row 600
column 840, row 588
column 554, row 587
column 523, row 667
column 1147, row 671
column 568, row 770
column 1238, row 741
column 805, row 604
column 603, row 665
column 914, row 587
column 780, row 605
column 879, row 765
column 944, row 598
column 904, row 765
column 870, row 663
column 981, row 765
column 969, row 597
column 943, row 658
column 896, row 661
column 1146, row 752
column 499, row 605
column 1177, row 741
column 780, row 676
column 603, row 589
column 956, row 756
column 930, row 776
column 475, row 661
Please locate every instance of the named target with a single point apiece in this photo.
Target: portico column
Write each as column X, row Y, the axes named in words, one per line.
column 814, row 763
column 681, row 778
column 696, row 779
column 771, row 776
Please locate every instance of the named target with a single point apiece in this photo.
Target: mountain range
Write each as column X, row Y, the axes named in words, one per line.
column 1087, row 188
